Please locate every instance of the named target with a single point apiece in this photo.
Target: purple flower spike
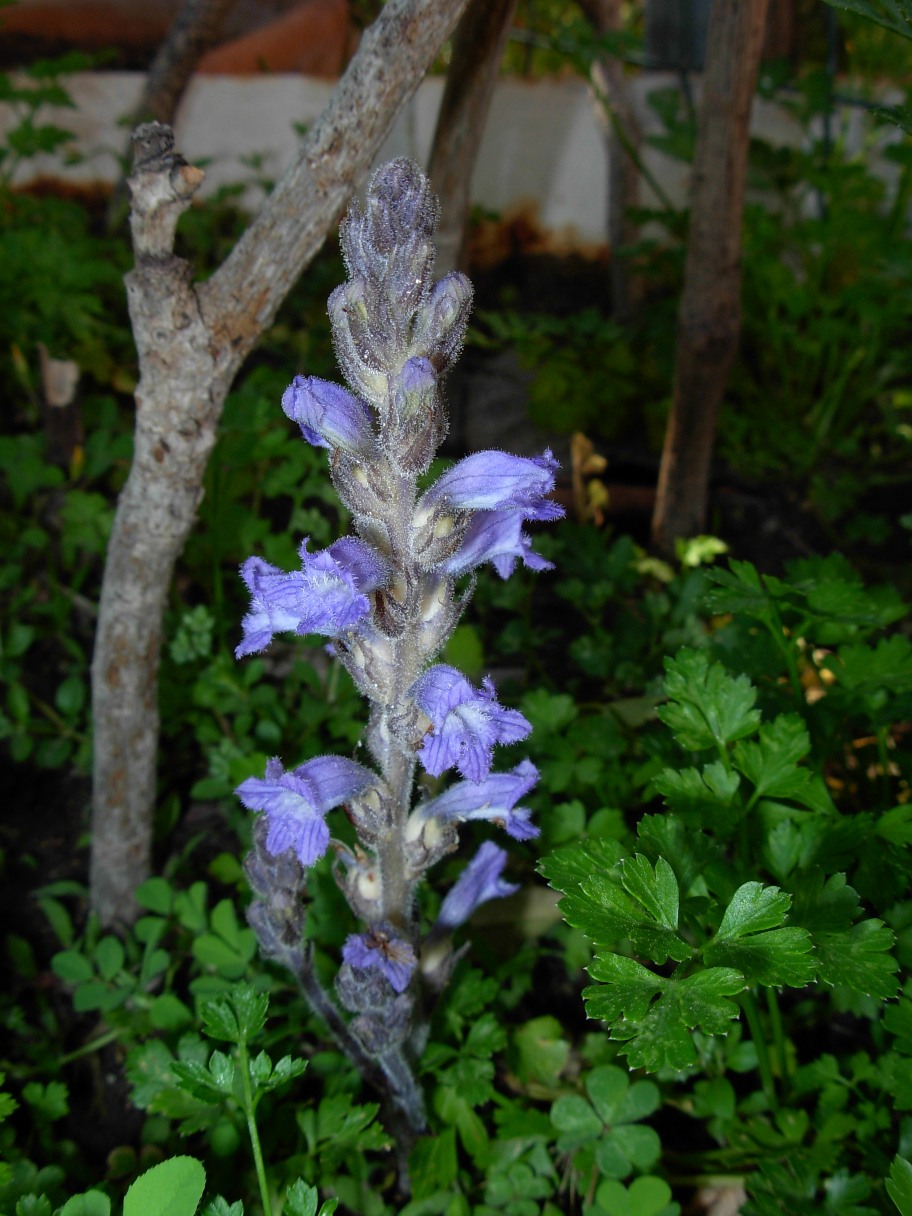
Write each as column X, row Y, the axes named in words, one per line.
column 493, row 799
column 466, row 723
column 496, row 481
column 328, row 595
column 496, row 537
column 379, row 950
column 480, row 881
column 329, row 416
column 296, row 803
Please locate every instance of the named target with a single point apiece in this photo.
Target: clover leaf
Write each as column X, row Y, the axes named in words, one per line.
column 646, row 1196
column 606, row 1125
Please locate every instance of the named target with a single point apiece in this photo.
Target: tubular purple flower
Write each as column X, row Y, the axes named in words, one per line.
column 496, row 537
column 380, row 950
column 466, row 722
column 480, row 881
column 328, row 595
column 493, row 799
column 296, row 803
column 497, row 481
column 329, row 416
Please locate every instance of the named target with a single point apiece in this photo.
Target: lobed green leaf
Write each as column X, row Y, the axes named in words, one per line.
column 707, row 707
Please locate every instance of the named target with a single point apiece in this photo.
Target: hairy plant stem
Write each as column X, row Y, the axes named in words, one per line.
column 389, row 1074
column 395, row 905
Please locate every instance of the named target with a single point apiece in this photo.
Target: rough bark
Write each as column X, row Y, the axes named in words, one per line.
column 709, row 316
column 192, row 339
column 197, row 27
column 478, row 47
column 623, row 135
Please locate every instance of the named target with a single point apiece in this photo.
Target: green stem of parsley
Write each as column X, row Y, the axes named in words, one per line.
column 249, row 1115
column 754, row 1025
column 775, row 1015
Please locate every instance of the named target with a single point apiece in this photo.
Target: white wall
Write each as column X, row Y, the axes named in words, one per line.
column 541, row 144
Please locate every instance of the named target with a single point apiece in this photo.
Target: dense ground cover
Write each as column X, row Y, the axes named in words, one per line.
column 722, row 746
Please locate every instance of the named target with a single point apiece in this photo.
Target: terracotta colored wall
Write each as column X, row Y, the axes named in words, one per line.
column 310, row 36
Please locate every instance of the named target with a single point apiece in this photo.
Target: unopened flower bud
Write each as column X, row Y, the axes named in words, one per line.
column 417, row 423
column 329, row 416
column 415, row 389
column 441, row 322
column 400, row 204
column 359, row 348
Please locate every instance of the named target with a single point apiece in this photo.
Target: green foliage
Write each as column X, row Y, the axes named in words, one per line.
column 724, row 793
column 173, row 1188
column 688, row 932
column 899, row 1185
column 606, row 1126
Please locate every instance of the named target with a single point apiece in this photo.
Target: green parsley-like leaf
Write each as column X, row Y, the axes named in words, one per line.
column 657, row 1034
column 198, row 1081
column 626, row 990
column 302, row 1199
column 236, row 1017
column 433, row 1164
column 777, row 956
column 606, row 914
column 710, row 793
column 875, row 669
column 656, row 890
column 707, row 707
column 899, row 1185
column 850, row 608
column 824, row 905
column 894, row 15
column 688, row 851
column 566, row 868
column 219, row 1206
column 750, row 940
column 894, row 825
column 740, row 589
column 771, row 763
column 860, row 959
column 752, row 909
column 854, row 955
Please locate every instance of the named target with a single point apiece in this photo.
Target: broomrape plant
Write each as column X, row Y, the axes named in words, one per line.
column 387, row 600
